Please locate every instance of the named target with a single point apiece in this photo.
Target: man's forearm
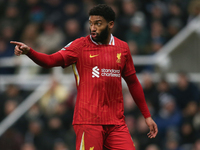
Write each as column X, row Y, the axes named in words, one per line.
column 137, row 93
column 44, row 60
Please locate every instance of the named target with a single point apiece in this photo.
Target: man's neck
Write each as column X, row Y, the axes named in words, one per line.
column 107, row 41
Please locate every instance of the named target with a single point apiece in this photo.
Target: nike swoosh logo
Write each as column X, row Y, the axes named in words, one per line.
column 91, row 148
column 91, row 56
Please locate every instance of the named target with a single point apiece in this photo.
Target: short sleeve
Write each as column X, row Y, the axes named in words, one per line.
column 129, row 68
column 70, row 52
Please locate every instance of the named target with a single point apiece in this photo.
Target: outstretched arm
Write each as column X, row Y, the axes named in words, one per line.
column 137, row 93
column 44, row 60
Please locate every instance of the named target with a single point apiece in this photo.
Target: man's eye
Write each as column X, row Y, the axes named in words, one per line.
column 98, row 24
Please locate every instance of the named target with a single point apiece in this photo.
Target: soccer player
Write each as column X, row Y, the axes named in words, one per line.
column 99, row 60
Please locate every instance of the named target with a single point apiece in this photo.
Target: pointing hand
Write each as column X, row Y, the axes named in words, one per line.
column 20, row 48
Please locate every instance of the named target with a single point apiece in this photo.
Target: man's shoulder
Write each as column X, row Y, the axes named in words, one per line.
column 120, row 43
column 77, row 43
column 83, row 41
column 79, row 40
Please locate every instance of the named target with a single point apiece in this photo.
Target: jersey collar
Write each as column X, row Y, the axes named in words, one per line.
column 112, row 41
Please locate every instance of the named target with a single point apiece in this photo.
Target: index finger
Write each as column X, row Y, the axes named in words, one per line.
column 155, row 130
column 16, row 43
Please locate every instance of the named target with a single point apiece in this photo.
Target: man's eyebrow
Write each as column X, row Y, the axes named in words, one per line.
column 96, row 20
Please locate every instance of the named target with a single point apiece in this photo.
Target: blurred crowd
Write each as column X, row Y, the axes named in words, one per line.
column 174, row 107
column 47, row 125
column 146, row 25
column 48, row 25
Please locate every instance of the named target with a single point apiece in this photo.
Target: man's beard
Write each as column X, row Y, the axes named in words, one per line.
column 102, row 36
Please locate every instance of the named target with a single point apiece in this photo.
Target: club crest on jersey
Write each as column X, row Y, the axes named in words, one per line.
column 118, row 58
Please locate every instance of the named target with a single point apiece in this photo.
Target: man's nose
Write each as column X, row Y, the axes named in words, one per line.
column 93, row 28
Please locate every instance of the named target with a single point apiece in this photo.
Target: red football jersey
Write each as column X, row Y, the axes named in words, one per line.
column 98, row 70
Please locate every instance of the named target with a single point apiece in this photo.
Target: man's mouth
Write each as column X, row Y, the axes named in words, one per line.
column 94, row 35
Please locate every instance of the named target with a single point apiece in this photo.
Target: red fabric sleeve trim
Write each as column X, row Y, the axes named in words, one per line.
column 45, row 60
column 137, row 93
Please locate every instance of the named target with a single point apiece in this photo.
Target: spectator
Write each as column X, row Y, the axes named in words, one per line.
column 156, row 11
column 56, row 94
column 187, row 134
column 172, row 144
column 55, row 131
column 129, row 8
column 196, row 123
column 110, row 2
column 175, row 12
column 72, row 30
column 196, row 145
column 53, row 10
column 174, row 26
column 138, row 32
column 73, row 10
column 65, row 113
column 9, row 107
column 157, row 36
column 12, row 19
column 8, row 32
column 6, row 50
column 12, row 95
column 60, row 145
column 34, row 113
column 52, row 37
column 133, row 47
column 194, row 9
column 150, row 91
column 70, row 138
column 36, row 135
column 185, row 91
column 12, row 92
column 30, row 33
column 34, row 10
column 156, row 45
column 190, row 111
column 163, row 88
column 168, row 116
column 11, row 140
column 152, row 147
column 28, row 146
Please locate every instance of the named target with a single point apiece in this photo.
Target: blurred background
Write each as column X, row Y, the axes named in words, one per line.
column 36, row 104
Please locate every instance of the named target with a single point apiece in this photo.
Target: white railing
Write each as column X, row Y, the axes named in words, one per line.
column 24, row 106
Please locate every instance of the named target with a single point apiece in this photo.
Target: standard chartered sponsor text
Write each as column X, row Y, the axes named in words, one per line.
column 110, row 72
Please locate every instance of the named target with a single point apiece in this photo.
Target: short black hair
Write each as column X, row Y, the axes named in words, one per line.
column 104, row 11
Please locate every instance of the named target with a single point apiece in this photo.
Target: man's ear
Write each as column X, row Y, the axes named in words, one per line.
column 111, row 24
